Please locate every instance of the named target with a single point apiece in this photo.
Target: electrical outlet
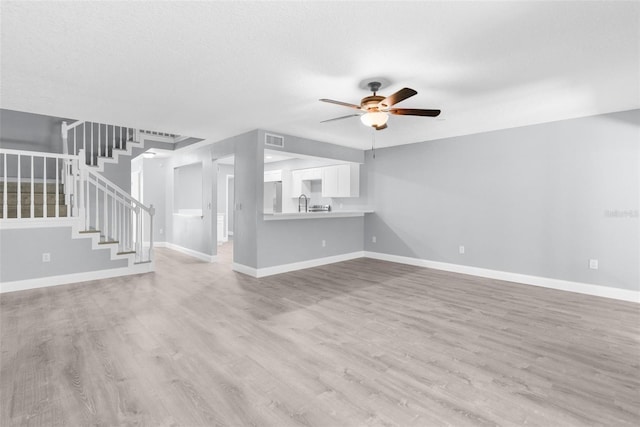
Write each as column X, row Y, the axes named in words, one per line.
column 373, row 239
column 46, row 257
column 593, row 264
column 461, row 250
column 161, row 231
column 324, row 243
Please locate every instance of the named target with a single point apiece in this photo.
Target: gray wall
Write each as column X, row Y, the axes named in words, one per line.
column 534, row 200
column 154, row 193
column 120, row 173
column 188, row 187
column 289, row 241
column 296, row 144
column 21, row 254
column 195, row 233
column 249, row 177
column 32, row 132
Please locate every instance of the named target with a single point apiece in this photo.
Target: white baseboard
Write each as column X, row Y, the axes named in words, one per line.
column 545, row 282
column 201, row 256
column 244, row 269
column 65, row 279
column 285, row 268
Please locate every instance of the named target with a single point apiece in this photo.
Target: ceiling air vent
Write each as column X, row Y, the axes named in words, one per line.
column 273, row 140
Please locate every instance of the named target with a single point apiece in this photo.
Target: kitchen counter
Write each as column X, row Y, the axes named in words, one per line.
column 315, row 215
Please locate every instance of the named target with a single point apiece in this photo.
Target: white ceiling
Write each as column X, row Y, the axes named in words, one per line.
column 217, row 69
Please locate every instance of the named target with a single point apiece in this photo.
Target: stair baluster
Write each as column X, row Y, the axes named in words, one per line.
column 32, row 202
column 91, row 158
column 19, row 204
column 44, row 187
column 5, row 208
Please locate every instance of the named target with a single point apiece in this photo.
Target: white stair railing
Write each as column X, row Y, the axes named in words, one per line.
column 26, row 180
column 96, row 139
column 120, row 219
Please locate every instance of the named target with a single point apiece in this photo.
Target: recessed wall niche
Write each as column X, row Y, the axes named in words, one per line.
column 187, row 190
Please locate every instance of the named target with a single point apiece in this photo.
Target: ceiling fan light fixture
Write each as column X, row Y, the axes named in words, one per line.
column 374, row 118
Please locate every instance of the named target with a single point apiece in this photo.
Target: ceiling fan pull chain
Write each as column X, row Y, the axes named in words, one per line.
column 373, row 142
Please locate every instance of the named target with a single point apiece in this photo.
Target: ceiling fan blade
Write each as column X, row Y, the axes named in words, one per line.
column 414, row 112
column 340, row 118
column 384, row 126
column 344, row 104
column 400, row 95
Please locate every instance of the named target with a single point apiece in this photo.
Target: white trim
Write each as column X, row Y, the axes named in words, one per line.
column 17, row 223
column 43, row 282
column 545, row 282
column 241, row 268
column 313, row 215
column 187, row 251
column 38, row 154
column 285, row 268
column 226, row 204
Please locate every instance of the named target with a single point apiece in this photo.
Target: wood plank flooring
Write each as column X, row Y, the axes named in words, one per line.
column 358, row 343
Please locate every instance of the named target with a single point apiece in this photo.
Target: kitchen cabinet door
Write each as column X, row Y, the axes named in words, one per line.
column 341, row 180
column 330, row 181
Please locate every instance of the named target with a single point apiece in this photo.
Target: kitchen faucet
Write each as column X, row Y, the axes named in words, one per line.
column 306, row 203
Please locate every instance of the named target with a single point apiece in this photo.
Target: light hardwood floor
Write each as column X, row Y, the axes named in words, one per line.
column 357, row 343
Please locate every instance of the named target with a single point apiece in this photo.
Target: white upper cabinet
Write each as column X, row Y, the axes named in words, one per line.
column 341, row 180
column 273, row 176
column 337, row 180
column 298, row 184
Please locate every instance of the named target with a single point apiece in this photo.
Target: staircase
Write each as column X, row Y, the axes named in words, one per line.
column 40, row 189
column 102, row 143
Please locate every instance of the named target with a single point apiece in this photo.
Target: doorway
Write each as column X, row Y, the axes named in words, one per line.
column 225, row 209
column 230, row 204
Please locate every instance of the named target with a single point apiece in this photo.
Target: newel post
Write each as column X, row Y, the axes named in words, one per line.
column 152, row 212
column 65, row 173
column 80, row 186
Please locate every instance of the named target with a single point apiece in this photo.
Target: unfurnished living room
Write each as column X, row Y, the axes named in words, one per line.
column 320, row 213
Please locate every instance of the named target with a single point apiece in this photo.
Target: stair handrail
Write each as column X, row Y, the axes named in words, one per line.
column 121, row 193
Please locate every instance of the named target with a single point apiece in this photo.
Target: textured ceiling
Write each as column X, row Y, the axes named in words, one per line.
column 217, row 69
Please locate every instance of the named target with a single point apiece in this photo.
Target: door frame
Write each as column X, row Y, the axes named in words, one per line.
column 226, row 213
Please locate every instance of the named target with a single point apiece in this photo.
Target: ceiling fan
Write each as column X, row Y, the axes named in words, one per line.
column 376, row 108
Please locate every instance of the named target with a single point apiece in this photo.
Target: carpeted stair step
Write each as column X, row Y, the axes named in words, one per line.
column 38, row 199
